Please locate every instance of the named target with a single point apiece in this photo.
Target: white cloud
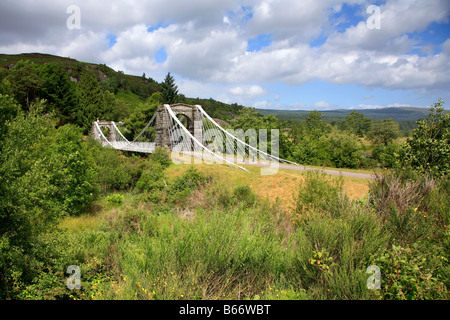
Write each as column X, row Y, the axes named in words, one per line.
column 253, row 91
column 206, row 42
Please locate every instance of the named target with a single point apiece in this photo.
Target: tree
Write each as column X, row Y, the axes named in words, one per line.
column 59, row 92
column 8, row 111
column 384, row 131
column 169, row 90
column 356, row 123
column 24, row 82
column 44, row 173
column 92, row 103
column 344, row 151
column 429, row 149
column 315, row 125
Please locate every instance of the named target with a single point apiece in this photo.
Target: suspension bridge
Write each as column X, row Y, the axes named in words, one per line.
column 191, row 134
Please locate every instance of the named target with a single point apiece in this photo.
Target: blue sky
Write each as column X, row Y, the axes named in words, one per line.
column 277, row 54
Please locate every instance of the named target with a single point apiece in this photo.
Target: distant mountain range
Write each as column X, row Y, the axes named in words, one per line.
column 400, row 114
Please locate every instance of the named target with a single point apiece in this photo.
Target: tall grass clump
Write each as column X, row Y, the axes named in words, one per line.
column 204, row 251
column 336, row 238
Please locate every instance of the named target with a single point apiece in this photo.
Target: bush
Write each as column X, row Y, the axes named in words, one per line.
column 191, row 179
column 152, row 179
column 344, row 150
column 161, row 156
column 72, row 169
column 388, row 155
column 320, row 193
column 336, row 239
column 115, row 199
column 244, row 195
column 412, row 273
column 398, row 200
column 114, row 171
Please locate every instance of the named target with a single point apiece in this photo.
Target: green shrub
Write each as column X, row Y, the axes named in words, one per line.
column 161, row 155
column 152, row 179
column 114, row 172
column 244, row 195
column 320, row 193
column 115, row 199
column 190, row 180
column 400, row 202
column 345, row 151
column 413, row 273
column 387, row 155
column 336, row 238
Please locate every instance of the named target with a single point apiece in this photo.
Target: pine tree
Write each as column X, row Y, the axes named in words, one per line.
column 169, row 90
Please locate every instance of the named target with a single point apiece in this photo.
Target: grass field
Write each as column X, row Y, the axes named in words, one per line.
column 292, row 235
column 281, row 186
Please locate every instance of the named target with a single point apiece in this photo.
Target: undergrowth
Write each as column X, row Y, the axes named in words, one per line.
column 191, row 237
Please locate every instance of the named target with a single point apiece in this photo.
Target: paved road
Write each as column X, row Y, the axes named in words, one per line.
column 327, row 171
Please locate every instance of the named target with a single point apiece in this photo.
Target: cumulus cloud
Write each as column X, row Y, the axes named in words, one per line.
column 253, row 91
column 206, row 41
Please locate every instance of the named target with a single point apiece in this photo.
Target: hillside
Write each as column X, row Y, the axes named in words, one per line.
column 129, row 90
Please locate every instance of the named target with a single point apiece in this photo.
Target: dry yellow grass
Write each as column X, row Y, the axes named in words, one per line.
column 281, row 186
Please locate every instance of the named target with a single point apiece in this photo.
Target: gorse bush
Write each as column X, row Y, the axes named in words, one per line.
column 191, row 179
column 336, row 239
column 244, row 195
column 414, row 210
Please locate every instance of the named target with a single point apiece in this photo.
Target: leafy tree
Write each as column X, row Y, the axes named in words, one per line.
column 315, row 125
column 344, row 150
column 140, row 118
column 8, row 111
column 44, row 175
column 429, row 149
column 169, row 90
column 356, row 123
column 384, row 131
column 24, row 82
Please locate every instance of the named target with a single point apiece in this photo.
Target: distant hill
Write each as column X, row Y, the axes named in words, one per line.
column 400, row 114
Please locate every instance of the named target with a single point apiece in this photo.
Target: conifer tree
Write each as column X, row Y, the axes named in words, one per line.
column 169, row 90
column 92, row 104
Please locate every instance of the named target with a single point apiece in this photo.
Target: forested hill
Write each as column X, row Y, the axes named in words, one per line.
column 400, row 114
column 130, row 92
